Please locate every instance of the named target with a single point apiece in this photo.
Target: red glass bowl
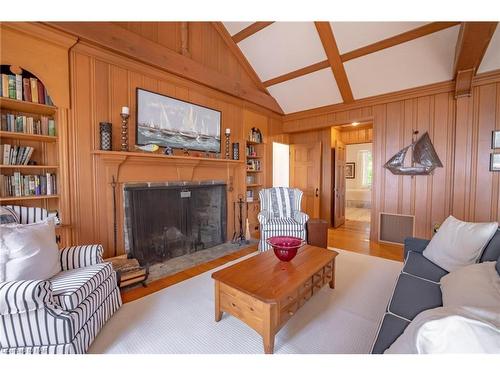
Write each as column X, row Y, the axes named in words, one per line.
column 285, row 247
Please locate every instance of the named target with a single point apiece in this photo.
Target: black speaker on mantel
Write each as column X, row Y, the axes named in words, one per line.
column 236, row 151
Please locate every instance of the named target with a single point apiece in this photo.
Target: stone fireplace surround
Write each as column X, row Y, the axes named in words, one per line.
column 165, row 220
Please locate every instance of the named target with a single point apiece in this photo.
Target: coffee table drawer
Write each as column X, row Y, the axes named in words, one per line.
column 287, row 312
column 288, row 299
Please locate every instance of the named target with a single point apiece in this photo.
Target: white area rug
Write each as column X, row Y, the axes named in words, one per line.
column 180, row 319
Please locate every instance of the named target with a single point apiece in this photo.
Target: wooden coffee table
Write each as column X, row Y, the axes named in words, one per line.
column 265, row 293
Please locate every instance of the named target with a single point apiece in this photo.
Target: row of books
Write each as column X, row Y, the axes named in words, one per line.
column 24, row 124
column 251, row 150
column 250, row 195
column 253, row 165
column 15, row 155
column 27, row 89
column 19, row 185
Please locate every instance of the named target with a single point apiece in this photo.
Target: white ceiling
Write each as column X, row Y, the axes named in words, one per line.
column 491, row 59
column 309, row 91
column 284, row 47
column 353, row 35
column 416, row 63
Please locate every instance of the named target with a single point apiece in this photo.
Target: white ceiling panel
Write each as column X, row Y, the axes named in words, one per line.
column 283, row 47
column 310, row 91
column 491, row 59
column 236, row 27
column 353, row 35
column 419, row 62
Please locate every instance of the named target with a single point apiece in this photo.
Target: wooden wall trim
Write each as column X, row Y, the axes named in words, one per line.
column 250, row 30
column 129, row 44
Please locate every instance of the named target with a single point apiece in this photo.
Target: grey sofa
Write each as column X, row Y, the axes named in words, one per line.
column 417, row 289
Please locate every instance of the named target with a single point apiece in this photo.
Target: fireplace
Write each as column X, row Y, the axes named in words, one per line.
column 167, row 220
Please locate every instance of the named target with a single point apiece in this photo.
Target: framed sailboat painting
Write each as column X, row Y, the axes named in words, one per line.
column 170, row 122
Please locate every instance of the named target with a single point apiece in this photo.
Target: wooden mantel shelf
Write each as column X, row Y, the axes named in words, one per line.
column 168, row 158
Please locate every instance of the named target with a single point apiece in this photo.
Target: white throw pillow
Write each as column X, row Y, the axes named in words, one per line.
column 477, row 285
column 28, row 252
column 458, row 243
column 450, row 330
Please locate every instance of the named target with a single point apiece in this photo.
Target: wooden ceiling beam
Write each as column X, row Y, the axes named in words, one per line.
column 407, row 36
column 472, row 43
column 332, row 52
column 297, row 73
column 122, row 41
column 250, row 30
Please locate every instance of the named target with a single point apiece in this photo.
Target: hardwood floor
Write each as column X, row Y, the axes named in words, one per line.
column 352, row 236
column 355, row 236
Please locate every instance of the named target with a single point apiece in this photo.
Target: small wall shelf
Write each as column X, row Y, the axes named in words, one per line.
column 28, row 198
column 165, row 157
column 27, row 107
column 27, row 137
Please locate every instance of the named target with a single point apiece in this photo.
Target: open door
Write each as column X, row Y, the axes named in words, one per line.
column 338, row 186
column 305, row 174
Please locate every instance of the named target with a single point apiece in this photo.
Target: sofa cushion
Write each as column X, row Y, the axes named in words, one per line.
column 458, row 243
column 413, row 295
column 492, row 251
column 71, row 287
column 418, row 265
column 390, row 329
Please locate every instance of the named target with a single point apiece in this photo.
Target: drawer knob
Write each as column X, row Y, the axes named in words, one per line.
column 290, row 298
column 290, row 313
column 307, row 284
column 233, row 304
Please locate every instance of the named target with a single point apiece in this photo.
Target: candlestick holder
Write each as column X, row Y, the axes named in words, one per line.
column 227, row 155
column 124, row 132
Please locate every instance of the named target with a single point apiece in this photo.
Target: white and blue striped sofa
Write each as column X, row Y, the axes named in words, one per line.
column 63, row 314
column 280, row 214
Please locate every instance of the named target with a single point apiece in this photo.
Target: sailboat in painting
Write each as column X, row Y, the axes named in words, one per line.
column 424, row 158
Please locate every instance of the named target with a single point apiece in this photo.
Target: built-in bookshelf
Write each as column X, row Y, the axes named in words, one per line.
column 29, row 150
column 254, row 152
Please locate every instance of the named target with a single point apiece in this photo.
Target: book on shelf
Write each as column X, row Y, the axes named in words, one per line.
column 15, row 155
column 253, row 165
column 5, row 85
column 19, row 185
column 24, row 89
column 42, row 125
column 249, row 195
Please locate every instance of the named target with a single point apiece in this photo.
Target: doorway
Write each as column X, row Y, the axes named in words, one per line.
column 352, row 176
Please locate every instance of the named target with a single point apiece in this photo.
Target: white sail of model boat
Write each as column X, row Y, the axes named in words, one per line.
column 424, row 158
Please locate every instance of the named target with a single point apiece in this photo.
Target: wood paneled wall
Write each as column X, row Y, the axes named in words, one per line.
column 103, row 82
column 204, row 44
column 351, row 136
column 461, row 133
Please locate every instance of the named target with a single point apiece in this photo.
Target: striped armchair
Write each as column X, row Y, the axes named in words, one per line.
column 63, row 314
column 280, row 214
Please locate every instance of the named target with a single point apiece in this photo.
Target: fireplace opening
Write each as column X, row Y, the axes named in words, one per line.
column 168, row 220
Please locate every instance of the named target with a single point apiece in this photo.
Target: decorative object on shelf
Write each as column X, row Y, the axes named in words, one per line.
column 350, row 170
column 185, row 151
column 168, row 151
column 255, row 135
column 217, row 155
column 495, row 162
column 125, row 114
column 495, row 139
column 227, row 134
column 176, row 123
column 148, row 148
column 236, row 151
column 105, row 130
column 239, row 236
column 424, row 158
column 285, row 247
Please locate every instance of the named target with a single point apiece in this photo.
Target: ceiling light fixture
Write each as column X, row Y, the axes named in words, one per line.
column 354, row 123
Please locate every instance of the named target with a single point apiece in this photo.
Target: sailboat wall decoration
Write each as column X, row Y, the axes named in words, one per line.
column 424, row 158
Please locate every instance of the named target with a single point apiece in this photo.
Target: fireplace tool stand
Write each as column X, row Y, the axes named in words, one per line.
column 239, row 236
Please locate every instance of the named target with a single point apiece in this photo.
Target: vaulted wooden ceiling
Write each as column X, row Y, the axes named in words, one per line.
column 306, row 65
